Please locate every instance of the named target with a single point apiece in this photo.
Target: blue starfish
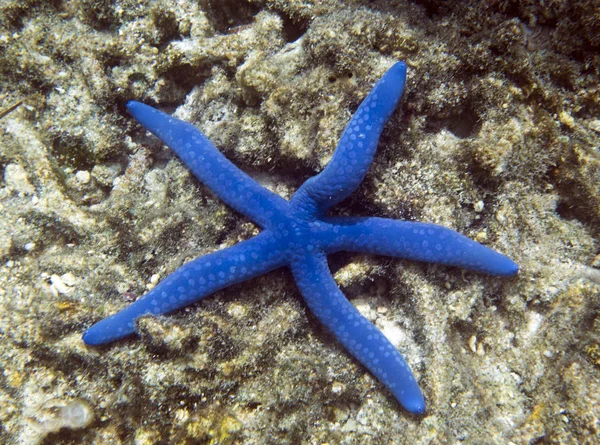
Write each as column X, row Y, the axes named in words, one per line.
column 297, row 234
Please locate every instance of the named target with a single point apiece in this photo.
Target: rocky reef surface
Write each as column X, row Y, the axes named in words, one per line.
column 497, row 136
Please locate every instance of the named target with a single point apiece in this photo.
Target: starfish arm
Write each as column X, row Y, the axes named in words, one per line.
column 192, row 282
column 356, row 148
column 355, row 332
column 417, row 241
column 209, row 165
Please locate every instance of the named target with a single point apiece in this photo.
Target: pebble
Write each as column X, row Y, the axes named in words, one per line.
column 83, row 177
column 595, row 125
column 63, row 284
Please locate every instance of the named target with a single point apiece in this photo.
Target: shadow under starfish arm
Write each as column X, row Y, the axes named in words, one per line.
column 192, row 282
column 417, row 241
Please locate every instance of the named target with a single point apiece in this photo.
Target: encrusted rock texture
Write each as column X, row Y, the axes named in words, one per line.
column 497, row 136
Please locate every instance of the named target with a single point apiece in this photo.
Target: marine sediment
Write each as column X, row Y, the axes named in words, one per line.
column 496, row 137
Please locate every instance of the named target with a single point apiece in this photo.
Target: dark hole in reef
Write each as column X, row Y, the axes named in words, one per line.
column 3, row 163
column 292, row 29
column 344, row 76
column 462, row 125
column 65, row 436
column 16, row 15
column 100, row 15
column 463, row 331
column 64, row 55
column 186, row 76
column 338, row 260
column 575, row 202
column 225, row 15
column 167, row 27
column 435, row 7
column 252, row 405
column 575, row 207
column 71, row 150
column 136, row 77
column 110, row 60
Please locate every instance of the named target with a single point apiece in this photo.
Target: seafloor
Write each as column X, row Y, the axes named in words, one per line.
column 497, row 136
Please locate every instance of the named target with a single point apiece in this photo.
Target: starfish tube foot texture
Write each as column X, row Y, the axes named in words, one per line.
column 299, row 235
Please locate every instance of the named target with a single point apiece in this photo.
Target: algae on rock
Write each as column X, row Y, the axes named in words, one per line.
column 497, row 136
